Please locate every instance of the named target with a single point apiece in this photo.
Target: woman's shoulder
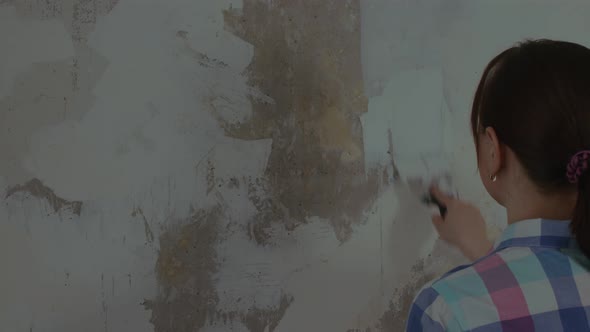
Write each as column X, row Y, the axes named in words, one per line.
column 497, row 271
column 459, row 300
column 512, row 283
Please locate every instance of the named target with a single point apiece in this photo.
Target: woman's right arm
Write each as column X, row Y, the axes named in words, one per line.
column 462, row 226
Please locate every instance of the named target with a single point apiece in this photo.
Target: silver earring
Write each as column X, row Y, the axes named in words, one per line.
column 493, row 178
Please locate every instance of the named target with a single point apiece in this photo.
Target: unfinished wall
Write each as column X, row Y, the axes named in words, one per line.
column 225, row 165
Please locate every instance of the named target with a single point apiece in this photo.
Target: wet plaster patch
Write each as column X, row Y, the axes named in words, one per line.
column 312, row 72
column 37, row 189
column 396, row 317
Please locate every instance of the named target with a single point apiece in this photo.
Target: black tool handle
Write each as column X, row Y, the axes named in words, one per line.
column 430, row 199
column 441, row 207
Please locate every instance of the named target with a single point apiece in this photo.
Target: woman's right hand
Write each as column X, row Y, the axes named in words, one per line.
column 462, row 226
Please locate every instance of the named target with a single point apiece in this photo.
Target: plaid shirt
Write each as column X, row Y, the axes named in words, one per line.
column 535, row 279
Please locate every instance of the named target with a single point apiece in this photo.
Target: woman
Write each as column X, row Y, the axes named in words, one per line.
column 531, row 125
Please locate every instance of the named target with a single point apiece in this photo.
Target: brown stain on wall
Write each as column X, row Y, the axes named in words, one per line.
column 187, row 299
column 269, row 210
column 307, row 59
column 186, row 263
column 37, row 189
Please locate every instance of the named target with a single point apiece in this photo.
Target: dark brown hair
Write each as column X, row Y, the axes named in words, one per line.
column 536, row 96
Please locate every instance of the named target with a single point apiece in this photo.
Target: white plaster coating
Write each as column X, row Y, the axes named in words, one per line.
column 356, row 266
column 149, row 119
column 51, row 42
column 139, row 146
column 412, row 108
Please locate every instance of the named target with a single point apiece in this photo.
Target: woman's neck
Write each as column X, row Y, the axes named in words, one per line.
column 531, row 204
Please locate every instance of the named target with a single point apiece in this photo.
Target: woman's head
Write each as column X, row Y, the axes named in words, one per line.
column 530, row 116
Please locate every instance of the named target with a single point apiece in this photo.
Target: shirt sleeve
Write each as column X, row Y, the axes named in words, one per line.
column 430, row 313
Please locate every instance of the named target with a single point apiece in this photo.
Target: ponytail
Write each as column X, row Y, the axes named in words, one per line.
column 577, row 174
column 580, row 225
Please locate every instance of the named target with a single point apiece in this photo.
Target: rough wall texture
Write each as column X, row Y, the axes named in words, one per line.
column 219, row 165
column 309, row 65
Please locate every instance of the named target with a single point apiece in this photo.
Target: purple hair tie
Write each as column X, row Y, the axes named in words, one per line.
column 577, row 165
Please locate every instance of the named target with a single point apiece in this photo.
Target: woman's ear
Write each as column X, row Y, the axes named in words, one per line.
column 495, row 152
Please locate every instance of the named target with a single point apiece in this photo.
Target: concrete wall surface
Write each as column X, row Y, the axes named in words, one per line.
column 226, row 165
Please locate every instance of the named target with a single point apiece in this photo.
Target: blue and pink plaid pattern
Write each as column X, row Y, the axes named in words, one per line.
column 536, row 279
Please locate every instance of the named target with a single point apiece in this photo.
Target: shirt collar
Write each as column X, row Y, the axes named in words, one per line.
column 537, row 233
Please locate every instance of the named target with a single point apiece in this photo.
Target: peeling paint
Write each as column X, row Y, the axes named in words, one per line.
column 201, row 58
column 37, row 189
column 269, row 212
column 313, row 74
